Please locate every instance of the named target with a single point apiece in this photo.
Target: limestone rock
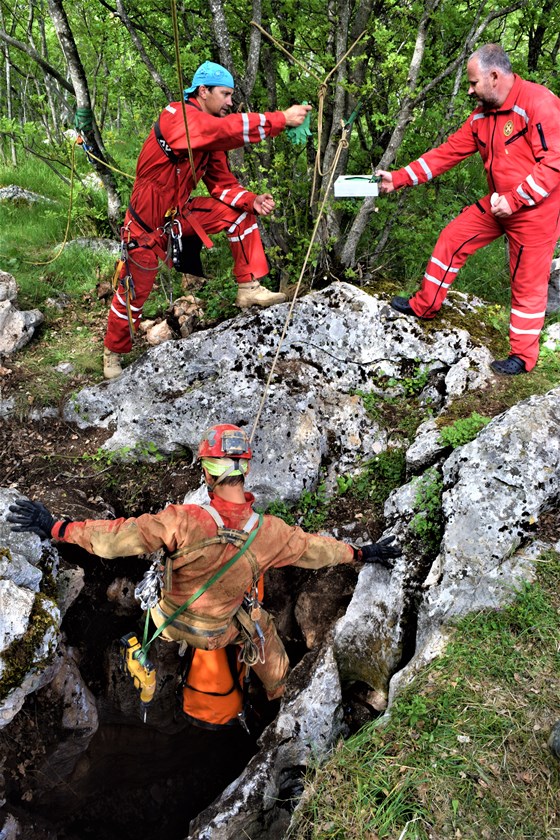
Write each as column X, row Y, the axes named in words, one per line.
column 307, row 726
column 368, row 639
column 338, row 342
column 110, row 246
column 425, row 449
column 69, row 582
column 121, row 594
column 15, row 193
column 75, row 709
column 16, row 327
column 8, row 287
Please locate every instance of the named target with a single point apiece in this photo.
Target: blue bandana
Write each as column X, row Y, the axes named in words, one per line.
column 210, row 74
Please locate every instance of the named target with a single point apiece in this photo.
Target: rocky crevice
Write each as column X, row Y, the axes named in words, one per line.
column 354, row 638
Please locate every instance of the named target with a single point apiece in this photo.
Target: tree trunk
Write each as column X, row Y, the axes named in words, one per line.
column 91, row 135
column 411, row 101
column 157, row 79
column 8, row 78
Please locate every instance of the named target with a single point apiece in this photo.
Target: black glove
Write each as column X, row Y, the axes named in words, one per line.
column 31, row 516
column 381, row 552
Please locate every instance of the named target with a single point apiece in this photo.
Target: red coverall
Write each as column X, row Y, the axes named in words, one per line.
column 164, row 181
column 212, row 618
column 520, row 146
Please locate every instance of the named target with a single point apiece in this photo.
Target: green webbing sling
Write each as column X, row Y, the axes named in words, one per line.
column 146, row 644
column 83, row 121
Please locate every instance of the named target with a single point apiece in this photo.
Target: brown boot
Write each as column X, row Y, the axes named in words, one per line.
column 111, row 364
column 253, row 294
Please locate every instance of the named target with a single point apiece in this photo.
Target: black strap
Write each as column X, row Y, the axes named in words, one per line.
column 137, row 218
column 164, row 145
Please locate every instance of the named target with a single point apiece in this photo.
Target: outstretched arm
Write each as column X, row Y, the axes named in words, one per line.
column 386, row 183
column 296, row 114
column 264, row 204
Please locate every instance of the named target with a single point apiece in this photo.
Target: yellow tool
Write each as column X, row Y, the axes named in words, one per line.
column 140, row 669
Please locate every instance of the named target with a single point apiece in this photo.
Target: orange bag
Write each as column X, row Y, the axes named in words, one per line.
column 213, row 688
column 213, row 684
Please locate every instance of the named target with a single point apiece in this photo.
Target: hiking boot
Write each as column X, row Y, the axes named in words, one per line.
column 253, row 294
column 402, row 305
column 111, row 364
column 510, row 366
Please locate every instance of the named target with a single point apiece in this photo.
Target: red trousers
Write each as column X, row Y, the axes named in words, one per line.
column 213, row 216
column 532, row 235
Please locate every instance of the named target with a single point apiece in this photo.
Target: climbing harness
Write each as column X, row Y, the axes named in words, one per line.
column 136, row 659
column 148, row 591
column 215, row 684
column 122, row 278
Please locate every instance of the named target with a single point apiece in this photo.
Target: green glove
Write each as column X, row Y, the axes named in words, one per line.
column 298, row 134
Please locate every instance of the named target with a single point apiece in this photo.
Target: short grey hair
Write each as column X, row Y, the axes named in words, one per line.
column 492, row 57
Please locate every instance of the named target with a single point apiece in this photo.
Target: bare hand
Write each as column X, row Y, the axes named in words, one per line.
column 264, row 204
column 296, row 114
column 499, row 206
column 386, row 182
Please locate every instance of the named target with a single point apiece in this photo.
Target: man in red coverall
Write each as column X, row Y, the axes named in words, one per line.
column 516, row 130
column 163, row 222
column 228, row 612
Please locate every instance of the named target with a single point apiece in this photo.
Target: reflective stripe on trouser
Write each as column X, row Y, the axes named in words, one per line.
column 143, row 266
column 530, row 273
column 532, row 235
column 246, row 248
column 469, row 231
column 242, row 231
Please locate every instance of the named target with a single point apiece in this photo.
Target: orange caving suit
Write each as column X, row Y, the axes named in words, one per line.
column 519, row 144
column 211, row 621
column 164, row 180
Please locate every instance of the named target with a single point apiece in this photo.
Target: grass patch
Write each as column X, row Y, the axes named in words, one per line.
column 463, row 430
column 463, row 753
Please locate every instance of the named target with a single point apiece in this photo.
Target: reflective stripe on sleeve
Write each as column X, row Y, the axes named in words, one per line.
column 245, row 121
column 411, row 175
column 534, row 186
column 524, row 195
column 237, row 197
column 426, row 168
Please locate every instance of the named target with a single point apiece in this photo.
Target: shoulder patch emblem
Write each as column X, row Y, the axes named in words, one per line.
column 508, row 128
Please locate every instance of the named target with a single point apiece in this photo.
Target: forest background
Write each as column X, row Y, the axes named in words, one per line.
column 396, row 71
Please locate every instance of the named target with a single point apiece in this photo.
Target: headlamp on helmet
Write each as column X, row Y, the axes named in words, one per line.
column 225, row 441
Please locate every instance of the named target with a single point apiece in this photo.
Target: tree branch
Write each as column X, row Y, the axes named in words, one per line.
column 13, row 42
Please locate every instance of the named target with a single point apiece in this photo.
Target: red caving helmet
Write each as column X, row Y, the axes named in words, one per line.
column 225, row 441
